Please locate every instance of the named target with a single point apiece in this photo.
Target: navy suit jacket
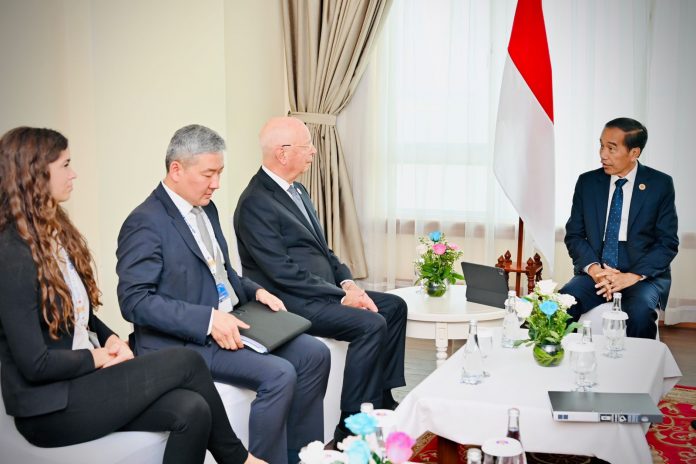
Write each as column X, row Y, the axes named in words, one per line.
column 165, row 287
column 282, row 251
column 651, row 242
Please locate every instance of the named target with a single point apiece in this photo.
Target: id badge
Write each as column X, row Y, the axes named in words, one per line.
column 224, row 301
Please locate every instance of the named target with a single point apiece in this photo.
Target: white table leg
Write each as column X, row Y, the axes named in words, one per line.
column 441, row 342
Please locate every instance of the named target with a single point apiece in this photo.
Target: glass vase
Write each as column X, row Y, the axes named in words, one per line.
column 548, row 354
column 436, row 288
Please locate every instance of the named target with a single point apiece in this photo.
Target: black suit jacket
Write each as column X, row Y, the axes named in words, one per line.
column 165, row 287
column 35, row 368
column 282, row 251
column 651, row 242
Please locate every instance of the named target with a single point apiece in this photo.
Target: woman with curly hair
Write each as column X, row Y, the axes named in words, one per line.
column 66, row 377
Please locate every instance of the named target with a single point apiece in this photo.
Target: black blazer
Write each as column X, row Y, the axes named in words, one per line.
column 282, row 251
column 36, row 369
column 165, row 286
column 651, row 242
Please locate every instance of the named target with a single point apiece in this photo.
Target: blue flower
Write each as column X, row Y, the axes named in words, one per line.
column 361, row 424
column 549, row 307
column 435, row 236
column 358, row 452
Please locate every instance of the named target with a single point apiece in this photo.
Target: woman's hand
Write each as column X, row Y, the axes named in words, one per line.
column 118, row 351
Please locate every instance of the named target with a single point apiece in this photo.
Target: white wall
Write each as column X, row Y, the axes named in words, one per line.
column 118, row 78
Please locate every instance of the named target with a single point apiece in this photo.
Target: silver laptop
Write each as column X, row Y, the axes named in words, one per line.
column 485, row 284
column 604, row 407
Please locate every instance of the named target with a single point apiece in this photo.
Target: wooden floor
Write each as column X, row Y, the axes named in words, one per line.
column 420, row 357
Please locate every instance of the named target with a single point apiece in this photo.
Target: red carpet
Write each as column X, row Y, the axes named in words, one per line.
column 672, row 442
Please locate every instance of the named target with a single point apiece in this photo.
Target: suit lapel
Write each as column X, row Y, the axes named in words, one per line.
column 639, row 195
column 283, row 198
column 602, row 200
column 178, row 222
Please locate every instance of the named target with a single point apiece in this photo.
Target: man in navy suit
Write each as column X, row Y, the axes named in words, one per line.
column 176, row 285
column 643, row 215
column 282, row 246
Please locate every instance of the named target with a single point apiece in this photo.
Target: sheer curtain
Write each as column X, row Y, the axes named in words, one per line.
column 419, row 131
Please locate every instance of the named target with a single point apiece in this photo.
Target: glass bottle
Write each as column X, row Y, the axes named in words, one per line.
column 586, row 331
column 513, row 429
column 510, row 322
column 473, row 456
column 472, row 371
column 617, row 307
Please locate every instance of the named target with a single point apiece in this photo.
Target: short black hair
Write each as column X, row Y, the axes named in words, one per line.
column 636, row 133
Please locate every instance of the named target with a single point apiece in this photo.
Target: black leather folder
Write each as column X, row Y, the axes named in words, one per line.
column 268, row 329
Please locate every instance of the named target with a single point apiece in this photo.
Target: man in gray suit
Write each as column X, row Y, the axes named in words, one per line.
column 282, row 246
column 176, row 285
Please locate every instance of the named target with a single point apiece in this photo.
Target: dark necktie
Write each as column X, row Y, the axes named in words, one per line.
column 295, row 195
column 610, row 252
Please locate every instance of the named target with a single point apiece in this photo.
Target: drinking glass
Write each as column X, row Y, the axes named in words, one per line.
column 485, row 341
column 583, row 361
column 614, row 329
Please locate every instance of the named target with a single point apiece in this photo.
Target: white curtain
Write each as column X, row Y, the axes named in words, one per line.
column 419, row 131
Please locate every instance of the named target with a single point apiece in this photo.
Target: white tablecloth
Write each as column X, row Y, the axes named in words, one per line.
column 471, row 414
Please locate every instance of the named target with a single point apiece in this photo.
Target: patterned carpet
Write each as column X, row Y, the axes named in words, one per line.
column 672, row 442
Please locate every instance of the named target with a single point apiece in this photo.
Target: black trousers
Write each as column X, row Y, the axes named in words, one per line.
column 375, row 358
column 170, row 390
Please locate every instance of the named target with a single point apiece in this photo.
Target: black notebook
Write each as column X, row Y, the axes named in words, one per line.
column 268, row 329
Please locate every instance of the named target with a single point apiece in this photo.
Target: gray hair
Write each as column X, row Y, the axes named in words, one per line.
column 193, row 140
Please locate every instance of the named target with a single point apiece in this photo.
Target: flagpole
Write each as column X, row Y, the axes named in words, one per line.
column 520, row 238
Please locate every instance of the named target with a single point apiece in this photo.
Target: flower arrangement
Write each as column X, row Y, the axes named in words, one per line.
column 435, row 265
column 547, row 320
column 361, row 448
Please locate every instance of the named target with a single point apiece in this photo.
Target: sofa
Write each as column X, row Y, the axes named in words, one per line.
column 148, row 447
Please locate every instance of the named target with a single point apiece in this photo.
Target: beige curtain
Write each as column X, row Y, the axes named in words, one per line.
column 327, row 46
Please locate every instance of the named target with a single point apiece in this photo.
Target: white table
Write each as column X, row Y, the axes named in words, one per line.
column 444, row 318
column 470, row 414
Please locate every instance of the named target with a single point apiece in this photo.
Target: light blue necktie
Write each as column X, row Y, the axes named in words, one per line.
column 610, row 252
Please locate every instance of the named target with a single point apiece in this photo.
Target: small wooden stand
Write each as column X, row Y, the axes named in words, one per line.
column 532, row 269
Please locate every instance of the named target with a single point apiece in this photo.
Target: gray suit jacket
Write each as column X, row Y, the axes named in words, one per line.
column 164, row 285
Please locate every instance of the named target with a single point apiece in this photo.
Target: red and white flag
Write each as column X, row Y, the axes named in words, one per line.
column 524, row 142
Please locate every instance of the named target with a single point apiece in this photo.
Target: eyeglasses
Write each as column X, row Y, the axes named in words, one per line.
column 304, row 147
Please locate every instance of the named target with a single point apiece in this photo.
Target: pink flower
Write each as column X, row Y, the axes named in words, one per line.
column 454, row 247
column 399, row 447
column 439, row 248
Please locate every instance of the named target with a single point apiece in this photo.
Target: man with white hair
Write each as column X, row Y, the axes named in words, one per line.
column 176, row 285
column 282, row 246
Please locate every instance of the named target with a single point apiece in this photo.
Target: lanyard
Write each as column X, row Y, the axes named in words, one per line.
column 212, row 267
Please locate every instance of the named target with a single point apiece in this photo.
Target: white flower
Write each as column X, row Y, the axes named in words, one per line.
column 345, row 444
column 421, row 249
column 546, row 287
column 313, row 453
column 565, row 300
column 523, row 308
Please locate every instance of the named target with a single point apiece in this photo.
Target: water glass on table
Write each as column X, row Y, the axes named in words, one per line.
column 583, row 361
column 485, row 342
column 614, row 327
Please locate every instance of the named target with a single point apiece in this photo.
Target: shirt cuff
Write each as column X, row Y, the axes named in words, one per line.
column 587, row 268
column 210, row 324
column 347, row 280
